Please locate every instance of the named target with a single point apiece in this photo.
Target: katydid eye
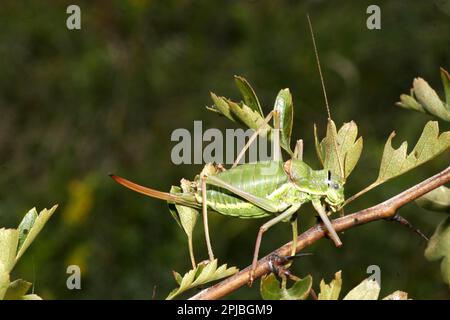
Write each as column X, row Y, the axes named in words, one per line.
column 335, row 186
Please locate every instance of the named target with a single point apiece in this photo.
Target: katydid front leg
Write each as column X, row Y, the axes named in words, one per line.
column 323, row 215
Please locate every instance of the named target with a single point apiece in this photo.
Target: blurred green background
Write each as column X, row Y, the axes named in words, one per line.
column 77, row 105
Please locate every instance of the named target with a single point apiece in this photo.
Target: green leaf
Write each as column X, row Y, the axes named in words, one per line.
column 436, row 200
column 331, row 291
column 446, row 82
column 424, row 99
column 248, row 117
column 221, row 106
column 8, row 247
column 4, row 281
column 271, row 289
column 409, row 102
column 395, row 162
column 178, row 277
column 429, row 99
column 202, row 274
column 248, row 94
column 31, row 297
column 9, row 238
column 240, row 113
column 249, row 112
column 284, row 105
column 17, row 289
column 397, row 295
column 339, row 148
column 439, row 248
column 186, row 217
column 366, row 290
column 39, row 223
column 25, row 225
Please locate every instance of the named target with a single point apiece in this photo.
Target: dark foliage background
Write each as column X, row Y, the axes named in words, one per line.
column 76, row 105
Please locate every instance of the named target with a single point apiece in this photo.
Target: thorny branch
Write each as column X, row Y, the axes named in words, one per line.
column 384, row 210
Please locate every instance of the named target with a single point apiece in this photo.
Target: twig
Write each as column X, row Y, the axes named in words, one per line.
column 383, row 210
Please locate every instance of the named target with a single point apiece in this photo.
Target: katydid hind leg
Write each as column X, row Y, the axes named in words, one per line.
column 263, row 203
column 285, row 215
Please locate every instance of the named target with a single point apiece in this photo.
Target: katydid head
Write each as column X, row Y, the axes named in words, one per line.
column 319, row 183
column 335, row 192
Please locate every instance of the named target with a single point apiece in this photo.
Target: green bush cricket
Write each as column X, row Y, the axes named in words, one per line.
column 261, row 189
column 257, row 190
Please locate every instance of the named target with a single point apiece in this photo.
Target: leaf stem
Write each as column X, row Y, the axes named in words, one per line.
column 360, row 193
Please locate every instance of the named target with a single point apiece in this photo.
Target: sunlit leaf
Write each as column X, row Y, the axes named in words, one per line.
column 25, row 225
column 424, row 99
column 248, row 94
column 339, row 148
column 369, row 289
column 4, row 281
column 397, row 295
column 31, row 297
column 409, row 102
column 331, row 291
column 202, row 274
column 284, row 105
column 39, row 223
column 272, row 289
column 9, row 238
column 395, row 162
column 429, row 99
column 439, row 248
column 17, row 289
column 436, row 200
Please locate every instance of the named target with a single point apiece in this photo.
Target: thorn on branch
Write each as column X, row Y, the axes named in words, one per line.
column 398, row 218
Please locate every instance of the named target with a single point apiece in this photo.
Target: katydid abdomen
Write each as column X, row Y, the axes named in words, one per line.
column 263, row 179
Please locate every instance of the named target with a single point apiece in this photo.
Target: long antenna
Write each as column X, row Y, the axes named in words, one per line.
column 341, row 167
column 318, row 66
